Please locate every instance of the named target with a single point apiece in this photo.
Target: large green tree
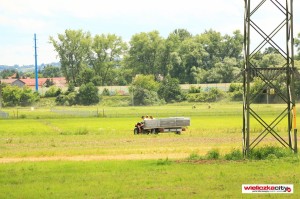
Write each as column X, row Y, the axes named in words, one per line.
column 144, row 53
column 170, row 57
column 73, row 48
column 105, row 57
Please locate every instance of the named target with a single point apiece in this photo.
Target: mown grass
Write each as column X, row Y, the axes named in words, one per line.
column 145, row 179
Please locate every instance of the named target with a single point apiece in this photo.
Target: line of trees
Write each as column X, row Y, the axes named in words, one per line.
column 106, row 59
column 151, row 65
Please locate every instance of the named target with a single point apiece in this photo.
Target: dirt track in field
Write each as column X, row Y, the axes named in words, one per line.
column 96, row 157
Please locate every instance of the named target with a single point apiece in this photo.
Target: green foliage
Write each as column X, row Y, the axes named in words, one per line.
column 11, row 95
column 145, row 97
column 236, row 92
column 73, row 49
column 71, row 88
column 53, row 91
column 270, row 152
column 105, row 56
column 49, row 82
column 144, row 89
column 195, row 156
column 105, row 92
column 297, row 44
column 297, row 88
column 235, row 154
column 15, row 96
column 4, row 74
column 116, row 101
column 86, row 75
column 213, row 95
column 209, row 57
column 170, row 90
column 28, row 97
column 223, row 71
column 146, row 82
column 67, row 99
column 144, row 54
column 88, row 94
column 213, row 154
column 194, row 89
column 257, row 89
column 51, row 71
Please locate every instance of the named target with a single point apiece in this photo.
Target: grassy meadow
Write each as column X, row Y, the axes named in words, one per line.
column 68, row 152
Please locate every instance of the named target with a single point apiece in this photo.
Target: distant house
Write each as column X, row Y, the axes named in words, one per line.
column 57, row 81
column 14, row 82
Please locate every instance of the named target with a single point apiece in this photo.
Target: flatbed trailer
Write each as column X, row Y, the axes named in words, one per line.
column 171, row 124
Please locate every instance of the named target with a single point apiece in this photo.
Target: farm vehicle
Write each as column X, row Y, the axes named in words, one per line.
column 155, row 126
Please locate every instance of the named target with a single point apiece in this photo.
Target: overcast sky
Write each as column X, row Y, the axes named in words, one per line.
column 20, row 19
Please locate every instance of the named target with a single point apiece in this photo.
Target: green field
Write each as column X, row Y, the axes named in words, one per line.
column 65, row 152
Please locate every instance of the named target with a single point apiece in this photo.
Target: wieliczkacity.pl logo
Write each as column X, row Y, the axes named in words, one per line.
column 268, row 188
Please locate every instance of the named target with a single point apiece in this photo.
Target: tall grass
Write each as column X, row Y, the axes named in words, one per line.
column 262, row 153
column 270, row 152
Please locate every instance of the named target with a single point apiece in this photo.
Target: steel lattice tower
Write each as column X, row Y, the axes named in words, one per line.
column 277, row 35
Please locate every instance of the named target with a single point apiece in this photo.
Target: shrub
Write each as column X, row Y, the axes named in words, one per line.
column 14, row 96
column 67, row 99
column 194, row 89
column 236, row 92
column 170, row 91
column 213, row 95
column 145, row 97
column 53, row 91
column 88, row 94
column 105, row 92
column 269, row 152
column 213, row 154
column 28, row 97
column 235, row 154
column 144, row 89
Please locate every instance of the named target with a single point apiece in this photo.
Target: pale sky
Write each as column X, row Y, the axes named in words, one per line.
column 20, row 19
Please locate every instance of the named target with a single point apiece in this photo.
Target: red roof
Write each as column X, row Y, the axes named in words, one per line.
column 58, row 81
column 7, row 81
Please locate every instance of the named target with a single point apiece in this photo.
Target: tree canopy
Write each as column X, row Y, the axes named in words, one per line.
column 106, row 59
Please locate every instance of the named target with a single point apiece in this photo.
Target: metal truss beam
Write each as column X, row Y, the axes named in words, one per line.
column 269, row 75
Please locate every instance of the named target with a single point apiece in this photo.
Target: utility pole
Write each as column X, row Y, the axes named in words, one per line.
column 35, row 64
